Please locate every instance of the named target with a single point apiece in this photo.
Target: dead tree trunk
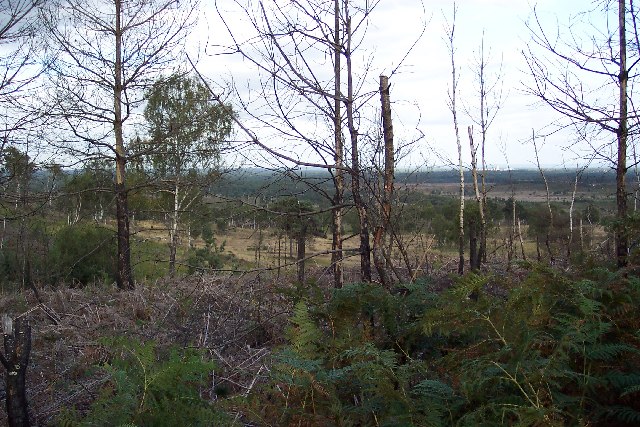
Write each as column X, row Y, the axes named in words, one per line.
column 338, row 200
column 17, row 346
column 622, row 236
column 546, row 187
column 478, row 257
column 385, row 211
column 301, row 254
column 365, row 247
column 524, row 256
column 454, row 112
column 573, row 199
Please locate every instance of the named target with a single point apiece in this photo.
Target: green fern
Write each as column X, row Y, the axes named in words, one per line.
column 148, row 390
column 304, row 334
column 624, row 414
column 622, row 380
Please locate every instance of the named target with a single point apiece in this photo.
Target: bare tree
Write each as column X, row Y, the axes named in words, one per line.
column 388, row 178
column 490, row 99
column 571, row 75
column 548, row 195
column 356, row 170
column 477, row 254
column 579, row 172
column 21, row 65
column 452, row 107
column 109, row 51
column 338, row 143
column 301, row 98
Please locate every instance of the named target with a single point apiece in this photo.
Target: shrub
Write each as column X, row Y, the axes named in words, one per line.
column 544, row 348
column 149, row 388
column 84, row 253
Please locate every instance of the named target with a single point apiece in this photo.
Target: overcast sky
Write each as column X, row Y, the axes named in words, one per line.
column 419, row 87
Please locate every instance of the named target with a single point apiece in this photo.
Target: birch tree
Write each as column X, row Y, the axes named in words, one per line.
column 312, row 105
column 587, row 76
column 187, row 133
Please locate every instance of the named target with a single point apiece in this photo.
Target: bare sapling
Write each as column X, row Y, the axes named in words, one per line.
column 454, row 112
column 548, row 194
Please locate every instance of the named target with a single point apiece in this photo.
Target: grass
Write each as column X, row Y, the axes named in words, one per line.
column 253, row 248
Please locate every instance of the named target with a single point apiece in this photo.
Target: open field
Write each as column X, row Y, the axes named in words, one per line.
column 243, row 245
column 523, row 192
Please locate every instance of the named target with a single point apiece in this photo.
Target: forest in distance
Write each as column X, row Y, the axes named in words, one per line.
column 183, row 248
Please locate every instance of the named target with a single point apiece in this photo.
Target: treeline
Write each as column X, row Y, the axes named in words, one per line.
column 269, row 183
column 63, row 226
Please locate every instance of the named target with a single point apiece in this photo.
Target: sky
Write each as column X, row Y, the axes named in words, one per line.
column 420, row 85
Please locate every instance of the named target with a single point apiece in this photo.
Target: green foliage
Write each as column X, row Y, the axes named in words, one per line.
column 187, row 130
column 148, row 387
column 351, row 362
column 212, row 256
column 293, row 218
column 148, row 257
column 546, row 348
column 84, row 253
column 542, row 355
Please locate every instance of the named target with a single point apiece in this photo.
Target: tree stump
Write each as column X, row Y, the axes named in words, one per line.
column 17, row 346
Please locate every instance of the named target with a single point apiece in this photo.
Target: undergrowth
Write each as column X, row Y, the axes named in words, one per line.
column 149, row 387
column 546, row 349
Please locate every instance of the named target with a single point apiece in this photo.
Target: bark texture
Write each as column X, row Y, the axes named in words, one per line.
column 358, row 200
column 622, row 237
column 387, row 194
column 338, row 199
column 124, row 277
column 17, row 347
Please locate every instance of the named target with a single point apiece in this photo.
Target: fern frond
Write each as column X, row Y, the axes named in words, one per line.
column 468, row 284
column 625, row 414
column 304, row 333
column 607, row 352
column 434, row 389
column 630, row 390
column 622, row 380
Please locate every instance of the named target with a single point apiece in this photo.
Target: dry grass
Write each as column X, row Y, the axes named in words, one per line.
column 236, row 319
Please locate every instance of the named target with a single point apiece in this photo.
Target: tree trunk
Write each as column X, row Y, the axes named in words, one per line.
column 637, row 175
column 513, row 222
column 573, row 199
column 365, row 247
column 338, row 200
column 452, row 107
column 483, row 192
column 17, row 346
column 484, row 125
column 385, row 212
column 173, row 232
column 124, row 276
column 461, row 210
column 524, row 256
column 622, row 237
column 301, row 240
column 479, row 256
column 279, row 253
column 474, row 260
column 547, row 242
